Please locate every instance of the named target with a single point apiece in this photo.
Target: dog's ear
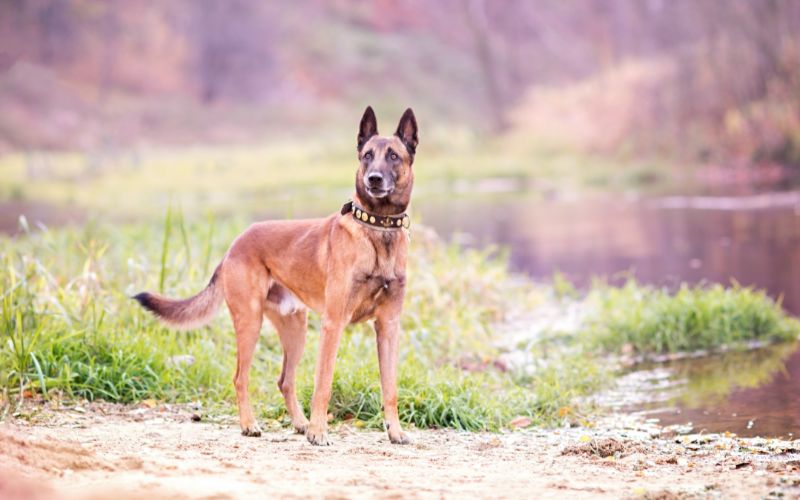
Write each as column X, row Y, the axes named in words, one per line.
column 368, row 127
column 407, row 131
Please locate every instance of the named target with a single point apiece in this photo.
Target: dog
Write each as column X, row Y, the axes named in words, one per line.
column 349, row 267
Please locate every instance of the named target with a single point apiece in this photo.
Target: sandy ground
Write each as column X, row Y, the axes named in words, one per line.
column 98, row 451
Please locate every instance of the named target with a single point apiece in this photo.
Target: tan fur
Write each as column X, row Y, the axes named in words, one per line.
column 344, row 270
column 188, row 313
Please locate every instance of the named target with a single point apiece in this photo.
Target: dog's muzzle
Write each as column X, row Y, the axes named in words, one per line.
column 376, row 185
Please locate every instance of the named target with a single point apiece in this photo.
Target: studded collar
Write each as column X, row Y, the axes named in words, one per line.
column 382, row 222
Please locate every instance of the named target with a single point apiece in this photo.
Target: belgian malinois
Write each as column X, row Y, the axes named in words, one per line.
column 349, row 267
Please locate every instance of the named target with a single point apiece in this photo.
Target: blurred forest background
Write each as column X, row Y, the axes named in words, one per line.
column 696, row 81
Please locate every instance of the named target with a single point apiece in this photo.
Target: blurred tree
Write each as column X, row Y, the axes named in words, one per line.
column 231, row 45
column 727, row 86
column 55, row 31
column 475, row 15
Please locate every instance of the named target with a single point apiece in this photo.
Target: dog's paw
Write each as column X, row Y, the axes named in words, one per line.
column 251, row 431
column 317, row 437
column 400, row 438
column 301, row 427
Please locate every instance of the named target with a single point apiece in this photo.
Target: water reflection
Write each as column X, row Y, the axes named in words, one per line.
column 751, row 393
column 711, row 380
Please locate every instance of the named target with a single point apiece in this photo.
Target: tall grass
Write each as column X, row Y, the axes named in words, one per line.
column 66, row 306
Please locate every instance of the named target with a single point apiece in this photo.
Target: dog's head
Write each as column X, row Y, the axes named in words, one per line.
column 385, row 177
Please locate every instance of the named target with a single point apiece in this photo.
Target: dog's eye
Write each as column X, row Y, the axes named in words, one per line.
column 394, row 156
column 368, row 155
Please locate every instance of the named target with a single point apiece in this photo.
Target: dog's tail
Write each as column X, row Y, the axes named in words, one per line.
column 187, row 313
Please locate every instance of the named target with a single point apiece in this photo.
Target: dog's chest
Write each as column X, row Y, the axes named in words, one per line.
column 372, row 291
column 382, row 281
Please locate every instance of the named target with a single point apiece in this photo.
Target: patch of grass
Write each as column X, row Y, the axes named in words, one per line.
column 654, row 320
column 81, row 327
column 427, row 397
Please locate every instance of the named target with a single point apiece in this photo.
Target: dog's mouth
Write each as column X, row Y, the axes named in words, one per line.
column 378, row 192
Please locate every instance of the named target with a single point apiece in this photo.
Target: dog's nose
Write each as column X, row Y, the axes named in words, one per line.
column 375, row 179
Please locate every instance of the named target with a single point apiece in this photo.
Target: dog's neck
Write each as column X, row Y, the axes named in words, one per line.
column 374, row 221
column 380, row 206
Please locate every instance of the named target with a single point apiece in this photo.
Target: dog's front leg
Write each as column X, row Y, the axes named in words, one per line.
column 332, row 327
column 387, row 331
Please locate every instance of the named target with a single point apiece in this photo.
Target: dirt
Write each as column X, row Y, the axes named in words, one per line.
column 604, row 448
column 96, row 451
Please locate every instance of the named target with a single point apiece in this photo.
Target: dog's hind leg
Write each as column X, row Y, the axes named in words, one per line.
column 245, row 289
column 292, row 333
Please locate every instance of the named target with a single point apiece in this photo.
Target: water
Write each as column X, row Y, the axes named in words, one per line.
column 749, row 393
column 753, row 240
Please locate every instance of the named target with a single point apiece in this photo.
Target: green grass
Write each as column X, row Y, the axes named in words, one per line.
column 654, row 320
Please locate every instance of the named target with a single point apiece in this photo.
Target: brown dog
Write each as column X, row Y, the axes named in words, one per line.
column 349, row 267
